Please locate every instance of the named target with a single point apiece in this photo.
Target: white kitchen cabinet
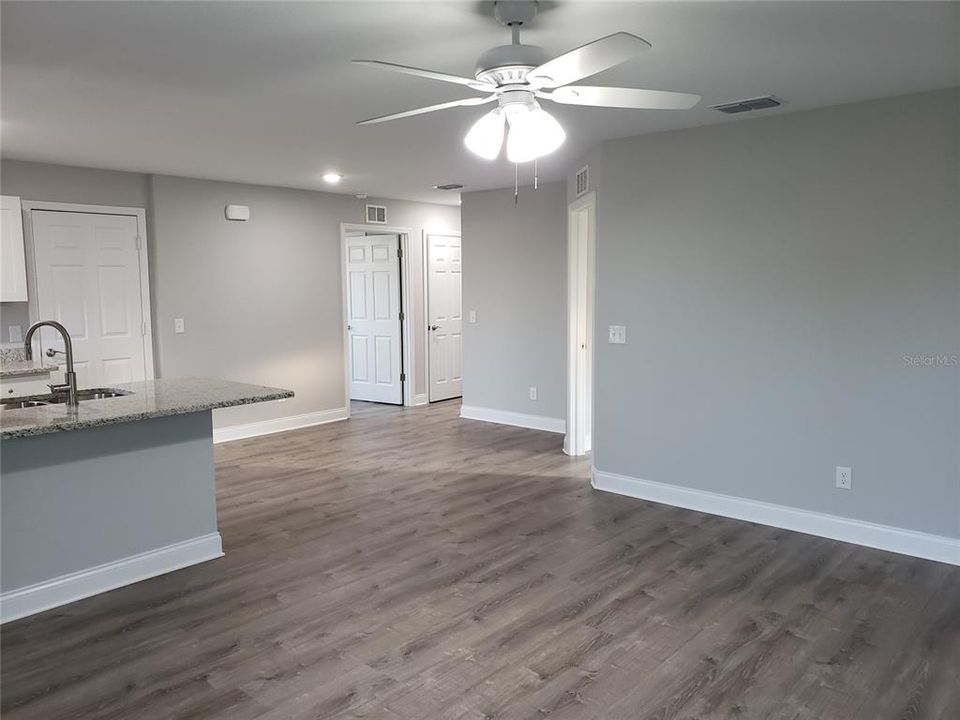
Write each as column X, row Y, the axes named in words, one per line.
column 13, row 267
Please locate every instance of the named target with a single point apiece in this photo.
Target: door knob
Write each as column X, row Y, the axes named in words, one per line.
column 349, row 327
column 434, row 327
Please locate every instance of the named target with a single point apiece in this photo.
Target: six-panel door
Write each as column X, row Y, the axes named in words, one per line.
column 88, row 279
column 445, row 317
column 373, row 318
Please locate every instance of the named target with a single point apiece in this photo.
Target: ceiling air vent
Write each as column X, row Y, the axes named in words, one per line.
column 448, row 186
column 377, row 214
column 742, row 106
column 583, row 180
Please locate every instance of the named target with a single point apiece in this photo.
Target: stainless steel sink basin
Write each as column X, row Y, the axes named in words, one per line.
column 12, row 403
column 96, row 394
column 60, row 398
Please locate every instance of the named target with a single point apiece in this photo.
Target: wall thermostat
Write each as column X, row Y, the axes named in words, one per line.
column 240, row 213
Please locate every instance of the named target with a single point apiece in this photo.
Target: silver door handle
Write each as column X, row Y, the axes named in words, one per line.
column 434, row 327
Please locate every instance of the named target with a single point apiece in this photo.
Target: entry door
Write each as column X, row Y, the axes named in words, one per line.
column 445, row 316
column 373, row 318
column 88, row 279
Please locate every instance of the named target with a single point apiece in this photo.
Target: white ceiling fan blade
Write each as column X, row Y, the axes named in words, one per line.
column 633, row 98
column 587, row 60
column 431, row 74
column 429, row 109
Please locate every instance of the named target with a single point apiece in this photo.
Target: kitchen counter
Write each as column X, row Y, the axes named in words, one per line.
column 129, row 496
column 150, row 399
column 24, row 368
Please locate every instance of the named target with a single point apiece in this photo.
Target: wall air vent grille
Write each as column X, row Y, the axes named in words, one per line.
column 583, row 180
column 377, row 214
column 741, row 106
column 448, row 186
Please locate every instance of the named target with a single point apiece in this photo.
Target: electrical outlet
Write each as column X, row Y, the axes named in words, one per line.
column 844, row 478
column 617, row 335
column 533, row 393
column 15, row 333
column 178, row 326
column 473, row 316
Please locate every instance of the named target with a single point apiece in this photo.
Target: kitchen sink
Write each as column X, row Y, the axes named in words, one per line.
column 60, row 398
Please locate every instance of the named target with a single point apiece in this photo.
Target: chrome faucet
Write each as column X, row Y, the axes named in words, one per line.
column 70, row 386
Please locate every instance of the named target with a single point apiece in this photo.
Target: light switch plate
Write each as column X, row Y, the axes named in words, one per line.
column 473, row 316
column 533, row 392
column 15, row 333
column 178, row 326
column 617, row 335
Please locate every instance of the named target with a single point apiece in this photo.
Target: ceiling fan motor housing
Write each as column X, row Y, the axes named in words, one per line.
column 515, row 12
column 509, row 64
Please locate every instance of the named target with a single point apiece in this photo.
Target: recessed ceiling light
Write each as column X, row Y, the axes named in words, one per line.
column 332, row 177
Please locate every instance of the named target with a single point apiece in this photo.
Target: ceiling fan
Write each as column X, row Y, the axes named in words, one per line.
column 519, row 76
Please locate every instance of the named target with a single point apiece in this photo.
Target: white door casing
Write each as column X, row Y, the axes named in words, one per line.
column 374, row 337
column 89, row 277
column 580, row 309
column 444, row 317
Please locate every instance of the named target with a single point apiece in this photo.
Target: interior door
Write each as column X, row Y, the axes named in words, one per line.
column 445, row 317
column 373, row 318
column 88, row 279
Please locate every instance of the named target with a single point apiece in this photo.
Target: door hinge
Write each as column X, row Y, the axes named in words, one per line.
column 399, row 252
column 403, row 377
column 143, row 328
column 401, row 314
column 139, row 242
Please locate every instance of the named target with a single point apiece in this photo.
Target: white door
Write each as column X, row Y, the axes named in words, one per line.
column 373, row 318
column 445, row 317
column 88, row 279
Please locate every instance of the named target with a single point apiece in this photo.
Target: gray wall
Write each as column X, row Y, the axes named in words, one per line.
column 515, row 277
column 261, row 300
column 773, row 274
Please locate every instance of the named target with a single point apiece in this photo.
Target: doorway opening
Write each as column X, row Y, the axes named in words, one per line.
column 581, row 254
column 444, row 316
column 378, row 362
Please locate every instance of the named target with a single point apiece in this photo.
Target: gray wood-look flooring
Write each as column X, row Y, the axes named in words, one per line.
column 409, row 564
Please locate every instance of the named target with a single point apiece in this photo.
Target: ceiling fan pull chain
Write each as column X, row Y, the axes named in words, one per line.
column 516, row 183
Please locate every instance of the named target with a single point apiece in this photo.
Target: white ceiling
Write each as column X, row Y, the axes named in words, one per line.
column 265, row 92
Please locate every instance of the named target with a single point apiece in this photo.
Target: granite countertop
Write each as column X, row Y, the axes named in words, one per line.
column 20, row 368
column 150, row 399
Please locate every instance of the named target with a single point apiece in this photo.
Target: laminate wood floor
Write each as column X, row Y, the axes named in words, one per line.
column 408, row 564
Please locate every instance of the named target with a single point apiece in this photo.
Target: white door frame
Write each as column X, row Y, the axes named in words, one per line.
column 581, row 291
column 424, row 253
column 408, row 367
column 28, row 206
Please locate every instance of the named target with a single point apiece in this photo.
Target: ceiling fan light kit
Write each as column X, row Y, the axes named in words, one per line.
column 519, row 76
column 486, row 136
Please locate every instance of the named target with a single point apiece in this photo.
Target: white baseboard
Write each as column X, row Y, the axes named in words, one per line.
column 859, row 532
column 421, row 399
column 109, row 576
column 502, row 417
column 268, row 427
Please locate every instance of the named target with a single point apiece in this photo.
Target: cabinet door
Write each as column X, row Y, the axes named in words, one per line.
column 13, row 270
